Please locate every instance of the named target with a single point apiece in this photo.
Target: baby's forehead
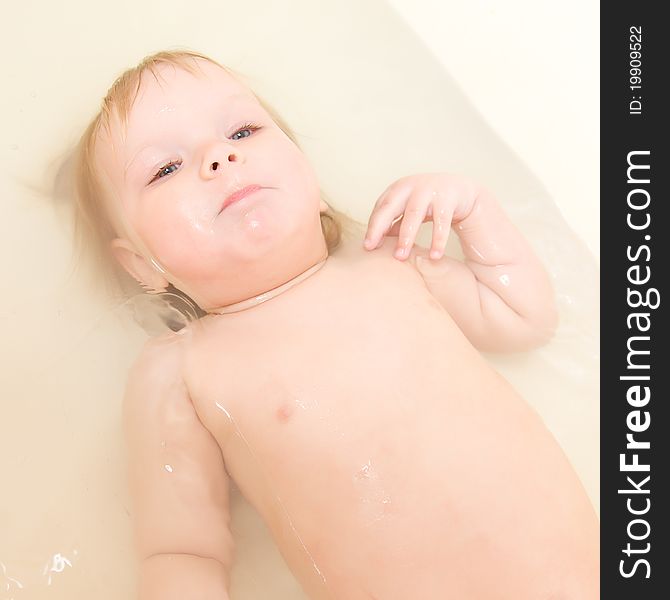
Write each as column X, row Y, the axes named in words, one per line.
column 174, row 80
column 174, row 90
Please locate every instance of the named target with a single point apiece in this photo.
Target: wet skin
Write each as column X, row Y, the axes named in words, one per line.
column 387, row 457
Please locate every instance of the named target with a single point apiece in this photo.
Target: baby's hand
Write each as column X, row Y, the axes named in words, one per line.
column 415, row 199
column 500, row 294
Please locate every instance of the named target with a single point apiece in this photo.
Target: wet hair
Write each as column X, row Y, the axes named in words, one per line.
column 93, row 223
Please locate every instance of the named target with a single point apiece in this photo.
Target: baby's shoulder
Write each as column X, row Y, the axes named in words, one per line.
column 155, row 386
column 159, row 362
column 163, row 348
column 158, row 412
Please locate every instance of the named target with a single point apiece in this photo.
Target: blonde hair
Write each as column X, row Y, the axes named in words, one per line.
column 93, row 228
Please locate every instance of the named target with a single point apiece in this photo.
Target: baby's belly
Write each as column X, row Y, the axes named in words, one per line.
column 396, row 496
column 389, row 461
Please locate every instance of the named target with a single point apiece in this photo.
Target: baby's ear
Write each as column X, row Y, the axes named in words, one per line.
column 139, row 267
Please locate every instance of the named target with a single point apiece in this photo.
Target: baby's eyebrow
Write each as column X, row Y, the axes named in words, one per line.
column 133, row 165
column 132, row 162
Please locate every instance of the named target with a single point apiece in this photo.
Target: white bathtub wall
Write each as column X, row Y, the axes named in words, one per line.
column 532, row 69
column 369, row 102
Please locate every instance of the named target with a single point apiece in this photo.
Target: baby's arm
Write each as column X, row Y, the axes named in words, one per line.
column 501, row 296
column 178, row 484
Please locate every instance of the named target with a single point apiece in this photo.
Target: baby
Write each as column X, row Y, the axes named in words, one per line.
column 337, row 381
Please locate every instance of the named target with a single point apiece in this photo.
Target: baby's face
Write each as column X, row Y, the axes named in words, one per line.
column 192, row 141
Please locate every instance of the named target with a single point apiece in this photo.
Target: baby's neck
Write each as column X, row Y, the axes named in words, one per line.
column 251, row 302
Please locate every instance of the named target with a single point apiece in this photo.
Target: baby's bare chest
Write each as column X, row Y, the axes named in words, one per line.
column 348, row 337
column 346, row 364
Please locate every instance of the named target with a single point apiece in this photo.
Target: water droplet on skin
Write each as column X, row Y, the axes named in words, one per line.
column 365, row 471
column 169, row 468
column 10, row 581
column 56, row 564
column 477, row 252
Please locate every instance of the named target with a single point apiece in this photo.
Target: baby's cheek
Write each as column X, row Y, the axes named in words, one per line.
column 297, row 172
column 170, row 243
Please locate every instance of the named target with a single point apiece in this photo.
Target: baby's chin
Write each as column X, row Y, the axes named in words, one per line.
column 253, row 233
column 255, row 219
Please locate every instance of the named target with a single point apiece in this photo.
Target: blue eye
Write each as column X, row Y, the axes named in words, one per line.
column 250, row 127
column 162, row 171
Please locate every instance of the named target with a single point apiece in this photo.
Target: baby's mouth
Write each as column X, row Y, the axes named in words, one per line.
column 239, row 194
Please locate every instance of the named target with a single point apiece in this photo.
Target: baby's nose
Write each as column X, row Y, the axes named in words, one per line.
column 232, row 157
column 216, row 158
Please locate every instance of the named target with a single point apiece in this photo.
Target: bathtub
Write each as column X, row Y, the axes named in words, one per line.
column 370, row 100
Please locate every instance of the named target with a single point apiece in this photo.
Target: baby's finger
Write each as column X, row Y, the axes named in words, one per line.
column 415, row 215
column 394, row 230
column 442, row 216
column 390, row 206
